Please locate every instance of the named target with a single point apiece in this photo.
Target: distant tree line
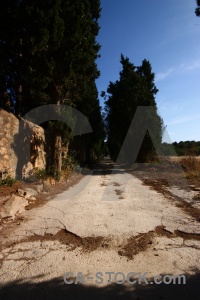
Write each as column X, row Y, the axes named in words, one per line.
column 182, row 148
column 48, row 51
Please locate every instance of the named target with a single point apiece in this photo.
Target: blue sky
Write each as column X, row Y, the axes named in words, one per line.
column 167, row 33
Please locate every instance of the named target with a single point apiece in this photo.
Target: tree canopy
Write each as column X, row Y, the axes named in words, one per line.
column 134, row 88
column 197, row 10
column 48, row 51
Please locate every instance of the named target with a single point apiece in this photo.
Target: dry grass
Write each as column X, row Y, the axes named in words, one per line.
column 191, row 165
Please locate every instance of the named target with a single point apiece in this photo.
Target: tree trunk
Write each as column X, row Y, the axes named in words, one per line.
column 57, row 154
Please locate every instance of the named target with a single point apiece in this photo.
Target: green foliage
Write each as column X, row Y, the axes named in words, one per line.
column 167, row 149
column 197, row 10
column 70, row 163
column 43, row 174
column 8, row 181
column 48, row 50
column 187, row 148
column 134, row 88
column 40, row 174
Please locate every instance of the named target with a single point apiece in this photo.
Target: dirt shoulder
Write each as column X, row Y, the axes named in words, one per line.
column 172, row 180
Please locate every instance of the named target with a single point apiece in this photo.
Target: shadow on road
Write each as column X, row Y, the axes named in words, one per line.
column 57, row 289
column 107, row 167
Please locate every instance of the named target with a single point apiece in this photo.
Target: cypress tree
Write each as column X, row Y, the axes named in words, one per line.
column 134, row 88
column 48, row 51
column 197, row 10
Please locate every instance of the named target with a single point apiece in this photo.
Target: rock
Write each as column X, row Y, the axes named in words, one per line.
column 191, row 186
column 13, row 206
column 49, row 183
column 30, row 193
column 27, row 193
column 21, row 193
column 39, row 188
column 27, row 170
column 197, row 189
column 191, row 243
column 52, row 181
column 169, row 229
column 32, row 198
column 189, row 230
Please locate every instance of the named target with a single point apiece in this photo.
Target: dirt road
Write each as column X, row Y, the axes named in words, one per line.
column 108, row 222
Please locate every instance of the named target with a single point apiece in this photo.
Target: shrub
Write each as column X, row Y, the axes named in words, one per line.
column 70, row 164
column 191, row 165
column 8, row 181
column 46, row 173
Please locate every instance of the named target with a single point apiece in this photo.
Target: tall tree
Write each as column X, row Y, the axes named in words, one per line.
column 134, row 88
column 48, row 51
column 197, row 10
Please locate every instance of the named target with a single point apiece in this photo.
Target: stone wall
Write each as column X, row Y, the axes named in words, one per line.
column 22, row 145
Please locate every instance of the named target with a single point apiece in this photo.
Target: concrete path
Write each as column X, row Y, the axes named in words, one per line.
column 108, row 222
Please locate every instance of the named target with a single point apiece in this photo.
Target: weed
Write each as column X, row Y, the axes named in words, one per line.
column 8, row 181
column 46, row 173
column 191, row 165
column 70, row 164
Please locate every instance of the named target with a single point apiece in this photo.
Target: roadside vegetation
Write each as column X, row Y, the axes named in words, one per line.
column 191, row 166
column 182, row 148
column 48, row 53
column 69, row 165
column 7, row 181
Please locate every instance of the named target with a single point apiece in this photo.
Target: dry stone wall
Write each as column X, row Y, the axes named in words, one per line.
column 22, row 146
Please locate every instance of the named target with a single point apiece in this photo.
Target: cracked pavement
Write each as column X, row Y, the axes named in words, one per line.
column 95, row 225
